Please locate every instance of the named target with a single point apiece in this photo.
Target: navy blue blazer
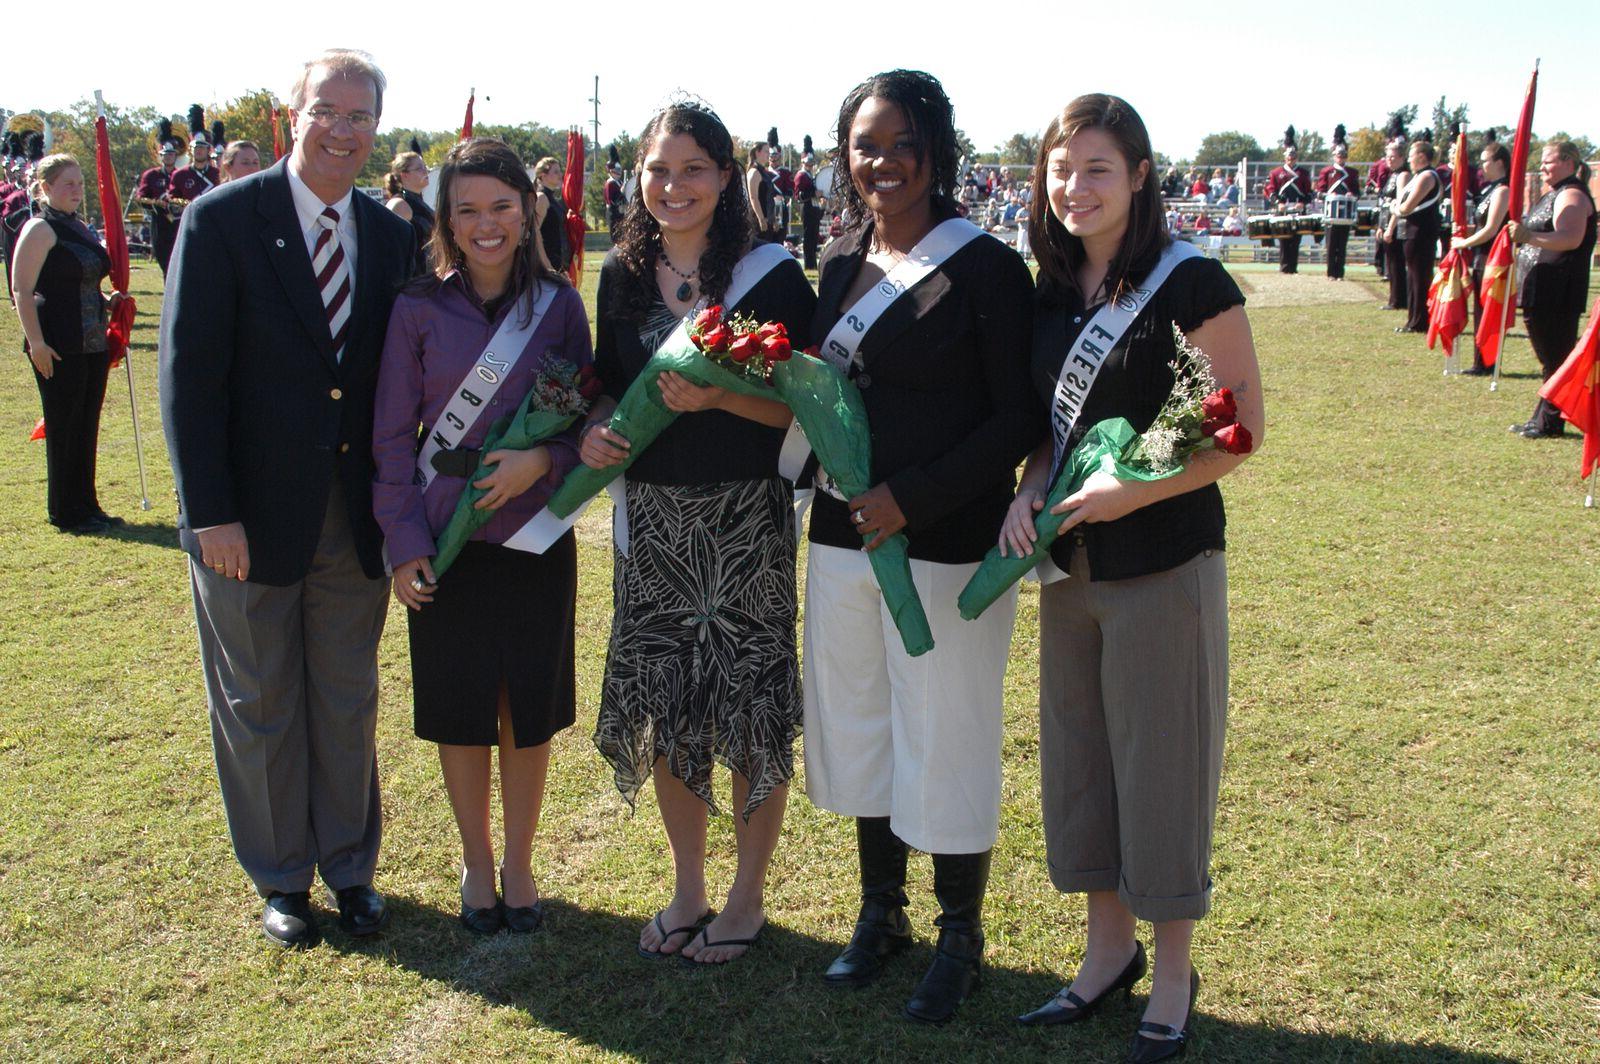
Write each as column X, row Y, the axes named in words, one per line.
column 258, row 413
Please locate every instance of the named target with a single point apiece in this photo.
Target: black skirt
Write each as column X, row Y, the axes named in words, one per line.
column 498, row 616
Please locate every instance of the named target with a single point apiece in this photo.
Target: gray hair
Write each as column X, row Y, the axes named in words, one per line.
column 347, row 63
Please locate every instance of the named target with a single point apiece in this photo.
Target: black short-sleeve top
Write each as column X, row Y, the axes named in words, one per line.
column 1134, row 382
column 943, row 376
column 708, row 446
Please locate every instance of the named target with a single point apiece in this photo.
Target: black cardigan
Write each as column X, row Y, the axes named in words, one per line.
column 710, row 446
column 944, row 378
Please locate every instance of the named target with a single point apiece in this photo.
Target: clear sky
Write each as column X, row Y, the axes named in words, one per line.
column 1189, row 68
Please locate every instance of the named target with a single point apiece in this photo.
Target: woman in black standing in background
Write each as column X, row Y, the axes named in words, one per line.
column 405, row 182
column 1394, row 231
column 910, row 747
column 1494, row 164
column 59, row 260
column 552, row 213
column 1418, row 209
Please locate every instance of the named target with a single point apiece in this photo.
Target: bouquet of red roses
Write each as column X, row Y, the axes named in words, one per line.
column 560, row 393
column 1196, row 416
column 736, row 354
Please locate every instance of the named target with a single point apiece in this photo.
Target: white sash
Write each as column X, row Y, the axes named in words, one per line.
column 544, row 527
column 1081, row 367
column 480, row 384
column 842, row 346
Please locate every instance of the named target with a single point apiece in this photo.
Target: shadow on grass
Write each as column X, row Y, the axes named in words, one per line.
column 581, row 976
column 161, row 534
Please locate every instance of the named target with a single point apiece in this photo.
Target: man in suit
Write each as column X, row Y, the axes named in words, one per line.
column 271, row 331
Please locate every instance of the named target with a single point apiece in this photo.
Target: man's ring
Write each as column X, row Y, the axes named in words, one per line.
column 858, row 517
column 217, row 566
column 417, row 584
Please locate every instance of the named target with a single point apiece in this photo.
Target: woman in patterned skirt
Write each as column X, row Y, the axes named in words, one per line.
column 702, row 664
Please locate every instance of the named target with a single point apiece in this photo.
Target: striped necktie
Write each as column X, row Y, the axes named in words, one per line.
column 333, row 278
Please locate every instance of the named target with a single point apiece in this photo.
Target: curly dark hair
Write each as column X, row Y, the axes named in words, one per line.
column 928, row 112
column 638, row 235
column 488, row 157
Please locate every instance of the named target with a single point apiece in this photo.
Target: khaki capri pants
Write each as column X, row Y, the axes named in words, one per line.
column 1133, row 699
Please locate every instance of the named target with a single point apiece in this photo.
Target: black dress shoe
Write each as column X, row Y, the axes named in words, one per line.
column 523, row 919
column 956, row 972
column 1534, row 432
column 1158, row 1041
column 1067, row 1007
column 288, row 921
column 361, row 910
column 484, row 921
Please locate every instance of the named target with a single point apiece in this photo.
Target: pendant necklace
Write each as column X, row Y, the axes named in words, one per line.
column 684, row 291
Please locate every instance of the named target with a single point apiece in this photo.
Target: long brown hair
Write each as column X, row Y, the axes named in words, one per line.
column 489, row 157
column 1058, row 251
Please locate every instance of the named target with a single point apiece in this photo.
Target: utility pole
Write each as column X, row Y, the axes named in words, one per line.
column 594, row 160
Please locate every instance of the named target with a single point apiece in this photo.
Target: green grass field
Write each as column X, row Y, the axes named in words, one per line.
column 1406, row 849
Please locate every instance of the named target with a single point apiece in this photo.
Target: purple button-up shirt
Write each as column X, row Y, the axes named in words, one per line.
column 432, row 344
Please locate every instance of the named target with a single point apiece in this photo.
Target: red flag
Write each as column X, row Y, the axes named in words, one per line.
column 1499, row 310
column 1458, row 186
column 466, row 124
column 572, row 193
column 1519, row 150
column 1574, row 389
column 1447, row 302
column 38, row 431
column 277, row 136
column 120, row 328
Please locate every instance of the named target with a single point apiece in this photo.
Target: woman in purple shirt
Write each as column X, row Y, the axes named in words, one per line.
column 492, row 642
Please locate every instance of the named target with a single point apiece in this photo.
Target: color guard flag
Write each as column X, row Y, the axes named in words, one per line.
column 1574, row 389
column 120, row 328
column 1447, row 302
column 572, row 193
column 38, row 431
column 1499, row 313
column 466, row 125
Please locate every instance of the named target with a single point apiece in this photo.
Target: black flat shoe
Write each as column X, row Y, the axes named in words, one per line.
column 361, row 910
column 523, row 919
column 1067, row 1007
column 1158, row 1041
column 287, row 920
column 484, row 921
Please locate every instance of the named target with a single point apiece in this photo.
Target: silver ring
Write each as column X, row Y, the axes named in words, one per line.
column 858, row 517
column 417, row 584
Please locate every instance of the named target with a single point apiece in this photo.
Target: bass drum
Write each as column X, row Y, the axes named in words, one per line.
column 824, row 180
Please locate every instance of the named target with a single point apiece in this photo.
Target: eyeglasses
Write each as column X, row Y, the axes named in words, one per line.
column 327, row 118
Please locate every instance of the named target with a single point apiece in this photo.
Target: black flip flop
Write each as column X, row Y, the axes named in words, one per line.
column 655, row 954
column 747, row 943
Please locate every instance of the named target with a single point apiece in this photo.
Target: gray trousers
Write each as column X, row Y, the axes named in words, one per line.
column 1133, row 702
column 292, row 684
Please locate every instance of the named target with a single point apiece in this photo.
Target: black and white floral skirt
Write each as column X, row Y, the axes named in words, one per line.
column 702, row 664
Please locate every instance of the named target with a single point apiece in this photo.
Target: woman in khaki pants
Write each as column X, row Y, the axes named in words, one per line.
column 1134, row 663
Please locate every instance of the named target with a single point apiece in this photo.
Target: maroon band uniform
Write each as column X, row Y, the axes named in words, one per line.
column 188, row 182
column 1286, row 186
column 1336, row 180
column 153, row 184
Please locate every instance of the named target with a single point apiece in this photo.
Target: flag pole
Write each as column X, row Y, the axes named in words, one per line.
column 138, row 448
column 1505, row 320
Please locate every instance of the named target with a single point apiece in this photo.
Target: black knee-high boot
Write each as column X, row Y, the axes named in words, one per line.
column 882, row 929
column 958, row 882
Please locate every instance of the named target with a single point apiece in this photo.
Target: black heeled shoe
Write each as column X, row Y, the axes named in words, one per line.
column 959, row 881
column 1067, row 1007
column 1159, row 1041
column 484, row 921
column 882, row 929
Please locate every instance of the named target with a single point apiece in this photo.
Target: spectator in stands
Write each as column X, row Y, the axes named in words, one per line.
column 1230, row 191
column 1217, row 184
column 1202, row 222
column 1174, row 221
column 1199, row 188
column 1232, row 225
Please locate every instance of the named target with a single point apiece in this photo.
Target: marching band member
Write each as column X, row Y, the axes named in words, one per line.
column 616, row 199
column 1289, row 185
column 1338, row 180
column 1419, row 207
column 1495, row 165
column 1555, row 243
column 201, row 175
column 1392, row 231
column 154, row 193
column 1447, row 178
column 805, row 190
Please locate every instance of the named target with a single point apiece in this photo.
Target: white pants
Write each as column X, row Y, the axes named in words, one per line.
column 886, row 734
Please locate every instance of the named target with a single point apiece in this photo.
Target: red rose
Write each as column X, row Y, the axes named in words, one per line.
column 1233, row 439
column 744, row 348
column 709, row 318
column 776, row 348
column 770, row 330
column 717, row 338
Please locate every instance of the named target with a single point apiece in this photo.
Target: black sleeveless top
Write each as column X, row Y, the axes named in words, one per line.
column 73, row 315
column 768, row 196
column 421, row 218
column 1424, row 220
column 553, row 230
column 1560, row 284
column 1480, row 218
